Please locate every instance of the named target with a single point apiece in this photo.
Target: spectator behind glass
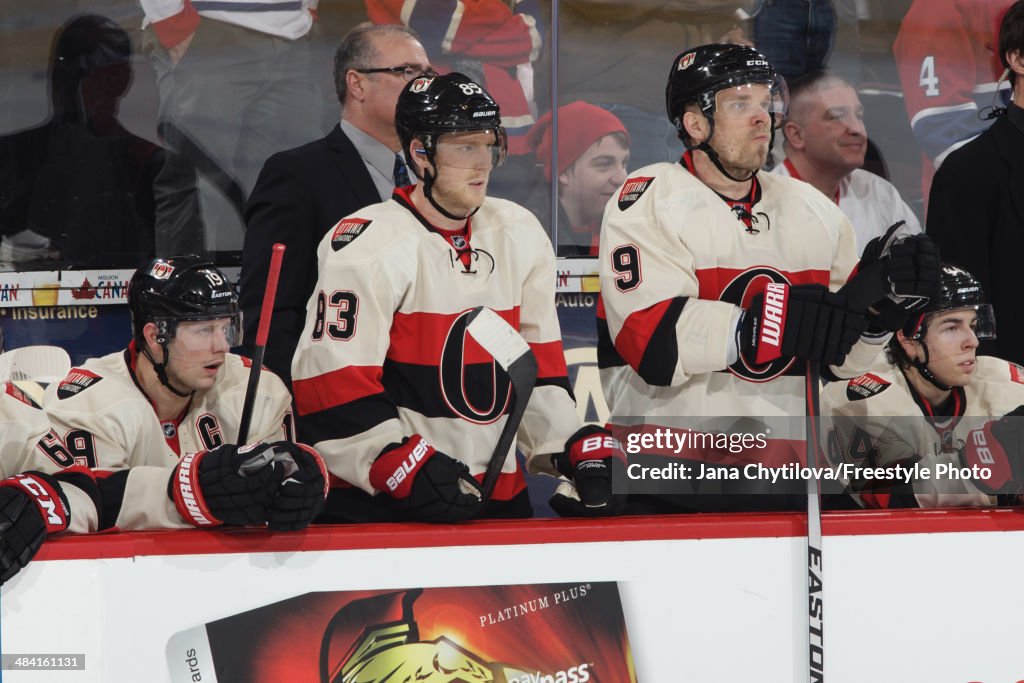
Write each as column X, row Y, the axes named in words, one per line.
column 82, row 189
column 795, row 35
column 613, row 53
column 826, row 142
column 593, row 154
column 301, row 193
column 976, row 207
column 235, row 87
column 949, row 70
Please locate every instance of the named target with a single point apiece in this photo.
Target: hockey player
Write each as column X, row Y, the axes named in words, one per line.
column 159, row 421
column 404, row 406
column 920, row 407
column 717, row 282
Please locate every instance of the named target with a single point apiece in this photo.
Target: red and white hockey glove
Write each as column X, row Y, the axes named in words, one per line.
column 594, row 460
column 228, row 485
column 32, row 506
column 798, row 321
column 426, row 484
column 999, row 447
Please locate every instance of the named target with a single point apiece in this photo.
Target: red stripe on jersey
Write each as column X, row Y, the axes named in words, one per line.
column 509, row 485
column 550, row 359
column 336, row 388
column 714, row 281
column 636, row 332
column 418, row 338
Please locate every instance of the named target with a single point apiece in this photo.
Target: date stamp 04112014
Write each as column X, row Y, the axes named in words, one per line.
column 34, row 662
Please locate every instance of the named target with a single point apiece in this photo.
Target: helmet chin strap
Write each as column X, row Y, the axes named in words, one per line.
column 161, row 370
column 428, row 185
column 706, row 147
column 922, row 368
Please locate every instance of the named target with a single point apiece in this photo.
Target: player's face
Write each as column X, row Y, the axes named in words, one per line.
column 196, row 353
column 595, row 178
column 834, row 134
column 952, row 346
column 463, row 163
column 743, row 127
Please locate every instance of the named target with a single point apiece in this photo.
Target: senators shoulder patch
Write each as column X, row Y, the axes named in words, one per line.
column 633, row 190
column 77, row 381
column 866, row 386
column 347, row 230
column 16, row 392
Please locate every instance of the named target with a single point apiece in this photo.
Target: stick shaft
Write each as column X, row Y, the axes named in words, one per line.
column 262, row 330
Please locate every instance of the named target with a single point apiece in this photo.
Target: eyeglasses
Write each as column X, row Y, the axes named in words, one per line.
column 406, row 71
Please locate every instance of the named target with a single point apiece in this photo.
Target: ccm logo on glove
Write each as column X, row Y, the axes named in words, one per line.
column 52, row 508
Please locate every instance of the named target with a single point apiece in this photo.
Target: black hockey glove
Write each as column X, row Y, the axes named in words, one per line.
column 302, row 493
column 32, row 506
column 998, row 446
column 426, row 484
column 594, row 460
column 229, row 485
column 895, row 277
column 799, row 321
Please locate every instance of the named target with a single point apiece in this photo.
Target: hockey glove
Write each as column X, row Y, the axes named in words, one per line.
column 891, row 284
column 998, row 446
column 799, row 321
column 427, row 485
column 32, row 505
column 229, row 485
column 302, row 493
column 594, row 460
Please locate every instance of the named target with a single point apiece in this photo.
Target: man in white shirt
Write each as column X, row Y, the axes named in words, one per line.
column 825, row 146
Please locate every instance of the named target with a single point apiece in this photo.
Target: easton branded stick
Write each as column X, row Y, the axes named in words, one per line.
column 513, row 354
column 276, row 256
column 815, row 591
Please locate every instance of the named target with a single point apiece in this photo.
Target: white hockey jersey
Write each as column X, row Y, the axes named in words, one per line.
column 871, row 203
column 678, row 262
column 879, row 420
column 107, row 423
column 22, row 425
column 384, row 353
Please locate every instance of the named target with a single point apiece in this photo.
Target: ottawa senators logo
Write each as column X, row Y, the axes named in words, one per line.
column 866, row 386
column 632, row 191
column 739, row 291
column 347, row 230
column 686, row 60
column 474, row 388
column 77, row 381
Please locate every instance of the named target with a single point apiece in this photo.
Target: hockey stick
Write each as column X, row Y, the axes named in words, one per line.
column 276, row 256
column 815, row 591
column 513, row 355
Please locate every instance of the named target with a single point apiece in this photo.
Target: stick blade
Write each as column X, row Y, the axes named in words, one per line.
column 497, row 337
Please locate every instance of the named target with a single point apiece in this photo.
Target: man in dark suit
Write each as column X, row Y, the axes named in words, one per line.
column 976, row 206
column 301, row 193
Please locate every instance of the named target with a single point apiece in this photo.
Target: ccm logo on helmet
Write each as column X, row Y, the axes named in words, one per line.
column 403, row 470
column 757, row 62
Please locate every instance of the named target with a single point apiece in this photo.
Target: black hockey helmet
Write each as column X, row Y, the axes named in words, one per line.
column 431, row 106
column 699, row 73
column 957, row 289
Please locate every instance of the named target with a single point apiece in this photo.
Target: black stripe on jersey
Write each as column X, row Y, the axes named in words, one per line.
column 112, row 496
column 607, row 356
column 343, row 421
column 87, row 485
column 418, row 388
column 662, row 352
column 561, row 382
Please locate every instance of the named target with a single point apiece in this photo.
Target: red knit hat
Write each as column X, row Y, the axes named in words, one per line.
column 579, row 126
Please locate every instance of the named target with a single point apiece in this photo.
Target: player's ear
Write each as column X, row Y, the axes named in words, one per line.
column 909, row 346
column 149, row 335
column 1015, row 58
column 417, row 154
column 696, row 125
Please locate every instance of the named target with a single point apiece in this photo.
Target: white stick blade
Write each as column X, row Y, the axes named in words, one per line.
column 497, row 337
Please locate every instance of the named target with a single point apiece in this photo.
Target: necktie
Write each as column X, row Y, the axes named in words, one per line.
column 401, row 171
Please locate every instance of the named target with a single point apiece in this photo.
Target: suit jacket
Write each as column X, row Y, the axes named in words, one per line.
column 976, row 216
column 300, row 194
